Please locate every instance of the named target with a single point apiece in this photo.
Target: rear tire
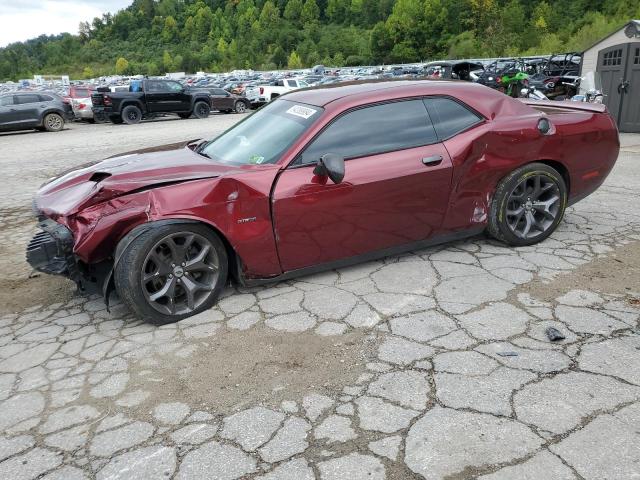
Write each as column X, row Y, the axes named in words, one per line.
column 171, row 272
column 131, row 115
column 528, row 205
column 240, row 107
column 201, row 109
column 53, row 122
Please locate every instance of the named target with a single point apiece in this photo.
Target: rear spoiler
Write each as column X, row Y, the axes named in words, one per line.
column 582, row 106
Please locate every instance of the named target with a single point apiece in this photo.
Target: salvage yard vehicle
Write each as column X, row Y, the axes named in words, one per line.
column 80, row 99
column 33, row 110
column 261, row 94
column 319, row 179
column 226, row 102
column 155, row 97
column 453, row 69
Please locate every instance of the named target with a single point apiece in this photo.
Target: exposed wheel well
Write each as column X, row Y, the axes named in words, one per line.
column 561, row 169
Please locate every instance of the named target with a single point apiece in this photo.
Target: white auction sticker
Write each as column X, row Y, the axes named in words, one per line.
column 300, row 111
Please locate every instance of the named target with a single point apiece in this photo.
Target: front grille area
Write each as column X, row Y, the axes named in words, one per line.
column 51, row 249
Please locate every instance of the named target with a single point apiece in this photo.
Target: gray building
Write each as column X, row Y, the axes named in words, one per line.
column 617, row 59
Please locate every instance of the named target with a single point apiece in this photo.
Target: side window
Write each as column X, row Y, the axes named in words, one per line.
column 6, row 101
column 173, row 87
column 46, row 98
column 153, row 86
column 375, row 129
column 220, row 92
column 449, row 117
column 279, row 83
column 27, row 98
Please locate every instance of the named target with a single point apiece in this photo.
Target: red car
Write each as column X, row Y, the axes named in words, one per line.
column 319, row 179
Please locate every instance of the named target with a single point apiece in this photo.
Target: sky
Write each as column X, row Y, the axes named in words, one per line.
column 24, row 19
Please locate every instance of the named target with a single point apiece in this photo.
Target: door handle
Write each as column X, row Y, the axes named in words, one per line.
column 433, row 160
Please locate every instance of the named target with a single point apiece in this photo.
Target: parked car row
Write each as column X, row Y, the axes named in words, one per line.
column 130, row 100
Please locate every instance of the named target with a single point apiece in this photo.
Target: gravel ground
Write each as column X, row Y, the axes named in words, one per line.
column 430, row 365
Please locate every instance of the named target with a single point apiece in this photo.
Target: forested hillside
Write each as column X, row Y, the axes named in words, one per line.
column 155, row 36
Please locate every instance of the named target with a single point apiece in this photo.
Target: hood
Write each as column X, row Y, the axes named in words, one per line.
column 123, row 174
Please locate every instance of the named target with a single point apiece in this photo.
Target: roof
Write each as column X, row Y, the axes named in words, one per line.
column 345, row 95
column 636, row 23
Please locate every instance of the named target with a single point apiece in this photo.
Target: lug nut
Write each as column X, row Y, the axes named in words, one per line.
column 184, row 264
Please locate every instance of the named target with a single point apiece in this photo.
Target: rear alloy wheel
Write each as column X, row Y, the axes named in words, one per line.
column 131, row 115
column 240, row 107
column 201, row 109
column 171, row 272
column 53, row 122
column 528, row 205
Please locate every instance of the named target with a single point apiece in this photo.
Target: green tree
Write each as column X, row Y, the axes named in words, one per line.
column 294, row 61
column 170, row 30
column 310, row 12
column 122, row 66
column 88, row 72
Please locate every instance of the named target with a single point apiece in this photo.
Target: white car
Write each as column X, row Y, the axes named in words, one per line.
column 262, row 94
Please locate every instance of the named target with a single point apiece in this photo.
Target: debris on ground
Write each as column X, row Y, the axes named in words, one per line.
column 554, row 334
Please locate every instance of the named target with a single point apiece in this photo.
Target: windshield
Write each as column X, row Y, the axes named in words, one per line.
column 264, row 136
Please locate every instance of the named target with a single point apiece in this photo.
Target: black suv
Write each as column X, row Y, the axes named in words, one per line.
column 28, row 110
column 148, row 98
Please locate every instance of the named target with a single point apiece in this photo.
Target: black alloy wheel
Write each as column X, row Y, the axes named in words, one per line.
column 172, row 272
column 528, row 205
column 201, row 109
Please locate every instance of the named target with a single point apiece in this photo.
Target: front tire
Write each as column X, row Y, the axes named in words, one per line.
column 528, row 205
column 201, row 109
column 131, row 115
column 53, row 122
column 171, row 272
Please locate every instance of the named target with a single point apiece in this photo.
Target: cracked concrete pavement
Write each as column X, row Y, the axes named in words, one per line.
column 434, row 364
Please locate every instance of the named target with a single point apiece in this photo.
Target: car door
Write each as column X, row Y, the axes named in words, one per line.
column 26, row 109
column 166, row 96
column 7, row 112
column 395, row 189
column 221, row 99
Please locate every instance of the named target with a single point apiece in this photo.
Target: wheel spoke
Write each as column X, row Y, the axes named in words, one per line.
column 162, row 265
column 167, row 290
column 544, row 207
column 529, row 221
column 198, row 264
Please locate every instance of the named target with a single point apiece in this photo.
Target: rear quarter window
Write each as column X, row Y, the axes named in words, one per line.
column 450, row 117
column 46, row 98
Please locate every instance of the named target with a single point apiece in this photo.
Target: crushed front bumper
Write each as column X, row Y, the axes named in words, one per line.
column 51, row 250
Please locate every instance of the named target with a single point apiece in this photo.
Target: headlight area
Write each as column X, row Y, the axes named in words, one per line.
column 51, row 250
column 81, row 247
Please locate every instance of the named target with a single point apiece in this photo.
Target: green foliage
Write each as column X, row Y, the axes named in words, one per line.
column 156, row 36
column 122, row 66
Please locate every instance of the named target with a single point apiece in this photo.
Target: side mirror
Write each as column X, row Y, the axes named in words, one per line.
column 332, row 166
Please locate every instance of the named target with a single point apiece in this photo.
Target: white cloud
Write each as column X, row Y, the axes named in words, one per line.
column 24, row 19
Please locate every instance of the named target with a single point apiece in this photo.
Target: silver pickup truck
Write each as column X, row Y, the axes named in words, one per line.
column 262, row 94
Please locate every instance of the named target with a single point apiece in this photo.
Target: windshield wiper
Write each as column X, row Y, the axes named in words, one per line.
column 204, row 154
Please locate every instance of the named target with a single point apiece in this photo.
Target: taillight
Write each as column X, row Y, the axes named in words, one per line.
column 261, row 90
column 107, row 100
column 81, row 106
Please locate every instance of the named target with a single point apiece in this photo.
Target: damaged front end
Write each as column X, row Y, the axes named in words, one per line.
column 51, row 251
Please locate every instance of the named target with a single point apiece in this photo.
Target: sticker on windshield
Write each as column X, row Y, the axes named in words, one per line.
column 300, row 111
column 256, row 159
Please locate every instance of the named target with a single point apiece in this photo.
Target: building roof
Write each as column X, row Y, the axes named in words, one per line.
column 635, row 23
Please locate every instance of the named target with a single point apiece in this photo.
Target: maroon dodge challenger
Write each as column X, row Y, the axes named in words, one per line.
column 319, row 179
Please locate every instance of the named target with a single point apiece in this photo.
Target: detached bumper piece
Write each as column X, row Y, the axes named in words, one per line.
column 51, row 250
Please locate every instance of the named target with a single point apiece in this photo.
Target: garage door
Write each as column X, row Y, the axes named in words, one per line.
column 619, row 68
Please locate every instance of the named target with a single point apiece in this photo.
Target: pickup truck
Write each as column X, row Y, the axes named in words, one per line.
column 148, row 98
column 262, row 94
